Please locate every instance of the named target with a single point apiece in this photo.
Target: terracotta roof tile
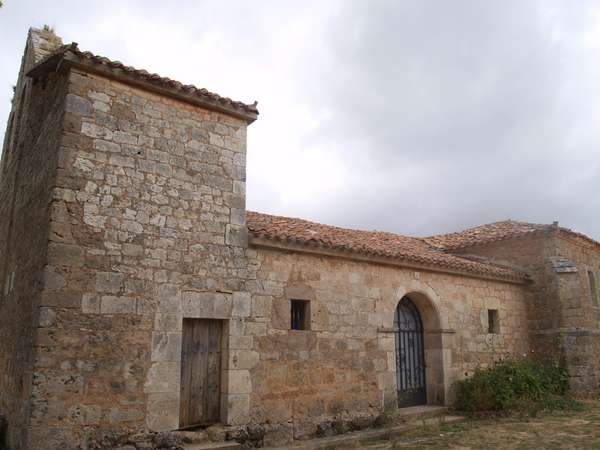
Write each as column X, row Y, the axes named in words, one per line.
column 375, row 243
column 499, row 231
column 71, row 54
column 485, row 234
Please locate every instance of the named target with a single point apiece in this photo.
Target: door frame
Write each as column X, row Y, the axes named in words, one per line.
column 188, row 376
column 411, row 373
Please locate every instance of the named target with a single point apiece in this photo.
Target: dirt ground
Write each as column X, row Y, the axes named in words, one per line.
column 575, row 429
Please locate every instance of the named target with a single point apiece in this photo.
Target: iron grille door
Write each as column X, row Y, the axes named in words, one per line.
column 410, row 355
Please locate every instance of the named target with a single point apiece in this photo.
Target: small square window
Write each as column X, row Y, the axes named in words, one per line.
column 493, row 322
column 300, row 315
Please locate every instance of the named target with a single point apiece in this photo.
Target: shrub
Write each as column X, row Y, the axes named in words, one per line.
column 511, row 384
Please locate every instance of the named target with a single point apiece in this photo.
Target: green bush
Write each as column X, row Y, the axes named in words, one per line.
column 511, row 384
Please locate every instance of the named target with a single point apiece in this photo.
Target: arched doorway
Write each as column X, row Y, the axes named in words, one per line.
column 410, row 355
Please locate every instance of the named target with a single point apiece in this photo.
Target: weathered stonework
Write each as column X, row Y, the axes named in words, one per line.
column 344, row 366
column 564, row 319
column 140, row 235
column 135, row 200
column 26, row 177
column 122, row 213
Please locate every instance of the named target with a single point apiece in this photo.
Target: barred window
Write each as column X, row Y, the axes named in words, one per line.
column 593, row 291
column 493, row 322
column 300, row 314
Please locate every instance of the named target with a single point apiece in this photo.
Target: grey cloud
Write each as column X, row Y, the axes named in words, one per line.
column 437, row 115
column 479, row 98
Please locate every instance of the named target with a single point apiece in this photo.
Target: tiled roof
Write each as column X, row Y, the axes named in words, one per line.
column 99, row 64
column 372, row 243
column 485, row 234
column 499, row 231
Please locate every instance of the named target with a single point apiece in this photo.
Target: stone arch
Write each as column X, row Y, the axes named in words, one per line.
column 434, row 325
column 426, row 298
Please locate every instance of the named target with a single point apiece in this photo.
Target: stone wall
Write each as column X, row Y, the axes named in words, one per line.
column 528, row 253
column 563, row 319
column 585, row 256
column 26, row 176
column 123, row 213
column 344, row 366
column 146, row 228
column 581, row 313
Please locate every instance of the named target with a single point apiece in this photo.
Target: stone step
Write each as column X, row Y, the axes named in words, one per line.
column 421, row 412
column 213, row 446
column 335, row 442
column 193, row 437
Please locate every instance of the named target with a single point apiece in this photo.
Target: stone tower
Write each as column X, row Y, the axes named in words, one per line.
column 138, row 296
column 122, row 197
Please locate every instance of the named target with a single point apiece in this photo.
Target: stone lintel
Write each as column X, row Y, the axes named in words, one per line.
column 440, row 331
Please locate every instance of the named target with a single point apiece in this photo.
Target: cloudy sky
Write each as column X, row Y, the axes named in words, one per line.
column 417, row 117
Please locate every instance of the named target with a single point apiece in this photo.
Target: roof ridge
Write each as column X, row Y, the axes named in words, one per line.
column 391, row 233
column 487, row 225
column 430, row 241
column 313, row 236
column 486, row 233
column 116, row 69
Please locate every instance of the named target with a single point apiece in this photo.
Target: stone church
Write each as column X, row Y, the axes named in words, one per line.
column 138, row 294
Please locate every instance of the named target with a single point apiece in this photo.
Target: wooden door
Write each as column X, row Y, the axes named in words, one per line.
column 200, row 397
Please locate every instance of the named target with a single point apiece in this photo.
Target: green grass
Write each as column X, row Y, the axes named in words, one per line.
column 568, row 428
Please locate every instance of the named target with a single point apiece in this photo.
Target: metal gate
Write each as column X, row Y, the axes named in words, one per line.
column 410, row 355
